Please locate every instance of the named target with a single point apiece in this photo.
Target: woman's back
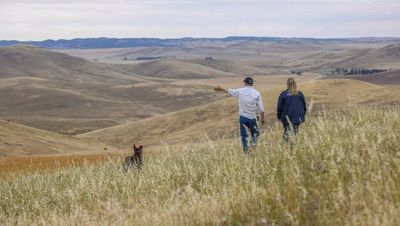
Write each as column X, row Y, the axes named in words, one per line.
column 292, row 107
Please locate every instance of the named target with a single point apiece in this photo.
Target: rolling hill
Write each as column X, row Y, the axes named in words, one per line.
column 103, row 42
column 231, row 67
column 258, row 56
column 387, row 57
column 385, row 78
column 175, row 69
column 19, row 140
column 65, row 94
column 23, row 61
column 218, row 119
column 61, row 93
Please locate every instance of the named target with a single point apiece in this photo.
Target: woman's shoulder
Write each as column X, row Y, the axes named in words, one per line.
column 284, row 92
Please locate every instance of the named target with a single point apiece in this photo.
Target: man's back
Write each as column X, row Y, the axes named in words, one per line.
column 250, row 106
column 250, row 102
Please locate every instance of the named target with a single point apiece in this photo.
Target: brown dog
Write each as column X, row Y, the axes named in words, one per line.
column 136, row 159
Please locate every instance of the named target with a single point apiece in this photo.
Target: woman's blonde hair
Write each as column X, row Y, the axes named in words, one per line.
column 292, row 86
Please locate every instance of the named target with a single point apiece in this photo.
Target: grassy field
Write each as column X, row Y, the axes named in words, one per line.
column 343, row 169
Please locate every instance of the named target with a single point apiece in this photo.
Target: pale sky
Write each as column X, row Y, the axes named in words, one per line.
column 56, row 19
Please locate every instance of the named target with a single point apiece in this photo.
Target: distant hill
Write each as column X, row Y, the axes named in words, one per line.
column 93, row 43
column 176, row 69
column 387, row 57
column 230, row 67
column 19, row 140
column 385, row 78
column 219, row 119
column 23, row 60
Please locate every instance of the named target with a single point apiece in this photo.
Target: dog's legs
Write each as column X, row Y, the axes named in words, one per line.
column 129, row 161
column 124, row 167
column 140, row 162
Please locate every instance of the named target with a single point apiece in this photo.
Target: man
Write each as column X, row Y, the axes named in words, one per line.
column 250, row 104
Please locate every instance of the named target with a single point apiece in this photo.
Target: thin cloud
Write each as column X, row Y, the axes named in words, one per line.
column 44, row 19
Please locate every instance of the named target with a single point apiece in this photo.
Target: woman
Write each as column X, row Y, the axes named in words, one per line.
column 291, row 110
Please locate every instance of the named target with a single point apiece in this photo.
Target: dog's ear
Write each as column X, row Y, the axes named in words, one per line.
column 141, row 146
column 134, row 146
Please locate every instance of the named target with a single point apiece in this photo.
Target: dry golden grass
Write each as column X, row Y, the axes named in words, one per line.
column 9, row 166
column 27, row 165
column 343, row 169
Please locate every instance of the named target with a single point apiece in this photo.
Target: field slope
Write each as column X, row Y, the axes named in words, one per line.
column 73, row 95
column 385, row 78
column 19, row 140
column 387, row 57
column 216, row 119
column 176, row 69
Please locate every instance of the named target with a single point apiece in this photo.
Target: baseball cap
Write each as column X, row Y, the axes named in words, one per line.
column 248, row 80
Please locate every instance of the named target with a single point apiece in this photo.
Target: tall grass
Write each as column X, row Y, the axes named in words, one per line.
column 342, row 169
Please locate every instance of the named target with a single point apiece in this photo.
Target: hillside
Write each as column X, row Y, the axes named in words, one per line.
column 385, row 78
column 387, row 57
column 19, row 140
column 23, row 61
column 175, row 69
column 230, row 67
column 65, row 94
column 256, row 56
column 219, row 119
column 61, row 93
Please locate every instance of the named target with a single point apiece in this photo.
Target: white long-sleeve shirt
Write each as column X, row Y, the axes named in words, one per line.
column 250, row 102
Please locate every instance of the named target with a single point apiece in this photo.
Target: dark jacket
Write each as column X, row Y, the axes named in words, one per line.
column 291, row 106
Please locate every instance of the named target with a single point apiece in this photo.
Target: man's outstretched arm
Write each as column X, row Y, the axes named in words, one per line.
column 232, row 92
column 220, row 89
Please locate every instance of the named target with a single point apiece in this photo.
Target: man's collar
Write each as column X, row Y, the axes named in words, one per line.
column 249, row 86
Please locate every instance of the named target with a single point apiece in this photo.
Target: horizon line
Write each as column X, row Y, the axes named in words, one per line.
column 204, row 37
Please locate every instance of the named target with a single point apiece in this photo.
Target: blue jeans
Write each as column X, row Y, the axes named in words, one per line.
column 290, row 129
column 253, row 127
